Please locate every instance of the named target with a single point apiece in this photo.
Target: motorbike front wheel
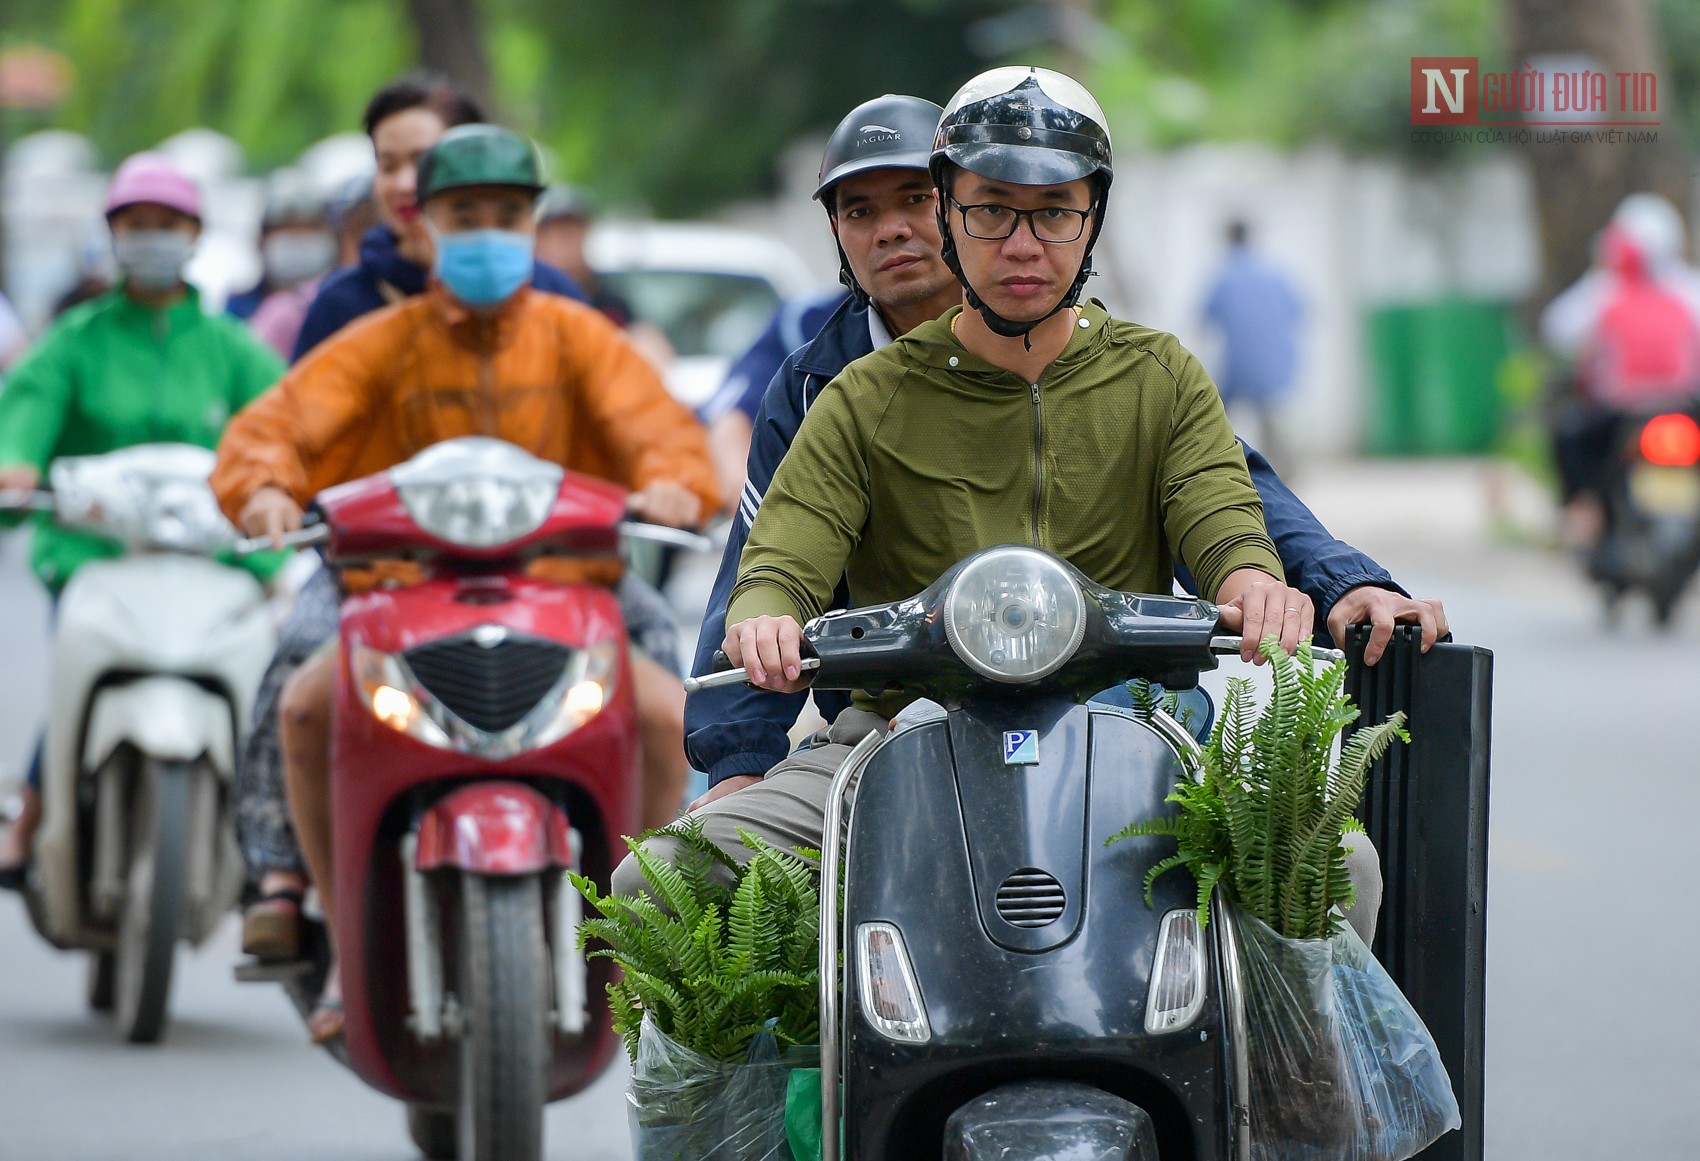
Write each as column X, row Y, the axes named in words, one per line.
column 153, row 897
column 503, row 989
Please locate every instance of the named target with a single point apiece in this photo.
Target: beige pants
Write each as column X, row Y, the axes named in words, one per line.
column 787, row 808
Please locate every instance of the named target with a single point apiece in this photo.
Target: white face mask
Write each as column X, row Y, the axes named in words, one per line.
column 152, row 260
column 295, row 256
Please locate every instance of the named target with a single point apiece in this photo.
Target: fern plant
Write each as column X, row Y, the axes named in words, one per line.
column 1266, row 814
column 711, row 964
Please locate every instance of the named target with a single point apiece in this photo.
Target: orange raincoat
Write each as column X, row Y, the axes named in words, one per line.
column 545, row 373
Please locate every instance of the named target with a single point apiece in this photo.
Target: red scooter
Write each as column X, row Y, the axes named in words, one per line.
column 486, row 743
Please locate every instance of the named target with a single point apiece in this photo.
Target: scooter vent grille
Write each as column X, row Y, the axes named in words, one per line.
column 489, row 687
column 1031, row 898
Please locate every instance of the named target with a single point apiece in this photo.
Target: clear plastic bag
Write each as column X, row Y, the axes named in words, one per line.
column 1342, row 1067
column 687, row 1107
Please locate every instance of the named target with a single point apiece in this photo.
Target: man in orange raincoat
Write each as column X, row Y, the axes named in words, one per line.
column 479, row 354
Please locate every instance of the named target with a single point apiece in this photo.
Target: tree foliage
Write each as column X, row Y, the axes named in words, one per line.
column 1266, row 815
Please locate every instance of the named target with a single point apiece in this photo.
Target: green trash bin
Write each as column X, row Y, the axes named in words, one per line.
column 1435, row 368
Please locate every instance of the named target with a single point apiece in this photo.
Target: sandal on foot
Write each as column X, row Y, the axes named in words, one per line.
column 271, row 928
column 325, row 1023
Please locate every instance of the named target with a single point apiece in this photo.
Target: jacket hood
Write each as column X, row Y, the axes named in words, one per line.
column 382, row 262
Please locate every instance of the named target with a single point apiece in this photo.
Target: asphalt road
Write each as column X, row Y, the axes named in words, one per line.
column 1592, row 1004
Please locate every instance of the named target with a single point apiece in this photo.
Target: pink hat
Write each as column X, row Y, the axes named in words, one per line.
column 155, row 179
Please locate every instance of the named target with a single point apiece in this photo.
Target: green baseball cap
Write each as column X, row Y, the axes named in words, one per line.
column 479, row 155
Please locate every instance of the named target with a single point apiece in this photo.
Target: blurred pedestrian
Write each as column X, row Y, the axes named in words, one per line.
column 139, row 364
column 403, row 120
column 1257, row 313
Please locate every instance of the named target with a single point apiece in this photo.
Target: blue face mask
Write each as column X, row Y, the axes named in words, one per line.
column 483, row 267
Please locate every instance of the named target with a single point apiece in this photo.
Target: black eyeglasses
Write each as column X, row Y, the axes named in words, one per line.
column 991, row 222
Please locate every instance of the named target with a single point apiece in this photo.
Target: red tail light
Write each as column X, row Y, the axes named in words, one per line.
column 1671, row 441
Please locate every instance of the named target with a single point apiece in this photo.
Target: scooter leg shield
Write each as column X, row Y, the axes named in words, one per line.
column 1049, row 1121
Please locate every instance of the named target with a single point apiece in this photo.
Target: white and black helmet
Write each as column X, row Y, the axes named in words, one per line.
column 1025, row 126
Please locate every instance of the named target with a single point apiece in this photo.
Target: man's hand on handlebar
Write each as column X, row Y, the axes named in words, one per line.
column 1381, row 609
column 271, row 512
column 664, row 502
column 1255, row 605
column 769, row 649
column 19, row 478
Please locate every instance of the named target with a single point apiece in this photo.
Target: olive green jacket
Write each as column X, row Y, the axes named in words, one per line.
column 1119, row 459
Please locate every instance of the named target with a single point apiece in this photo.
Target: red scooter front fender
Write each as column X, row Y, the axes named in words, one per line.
column 494, row 828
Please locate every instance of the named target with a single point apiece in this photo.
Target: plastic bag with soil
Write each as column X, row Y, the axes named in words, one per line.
column 688, row 1107
column 1342, row 1067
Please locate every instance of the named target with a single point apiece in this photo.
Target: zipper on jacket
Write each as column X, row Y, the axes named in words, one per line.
column 1038, row 461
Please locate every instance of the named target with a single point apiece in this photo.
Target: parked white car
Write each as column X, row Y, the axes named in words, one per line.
column 710, row 289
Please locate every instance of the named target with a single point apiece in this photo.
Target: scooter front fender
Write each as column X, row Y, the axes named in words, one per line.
column 494, row 828
column 1048, row 1120
column 165, row 717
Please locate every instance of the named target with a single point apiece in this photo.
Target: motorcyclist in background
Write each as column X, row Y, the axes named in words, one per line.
column 298, row 249
column 480, row 354
column 139, row 364
column 403, row 119
column 1629, row 331
column 879, row 201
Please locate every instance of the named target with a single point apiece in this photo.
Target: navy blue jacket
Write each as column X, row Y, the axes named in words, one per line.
column 738, row 730
column 353, row 291
column 795, row 322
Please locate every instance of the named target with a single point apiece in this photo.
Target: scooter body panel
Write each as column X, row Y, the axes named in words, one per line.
column 384, row 782
column 938, row 820
column 161, row 652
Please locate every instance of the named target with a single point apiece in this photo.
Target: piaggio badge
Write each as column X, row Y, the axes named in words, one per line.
column 1021, row 747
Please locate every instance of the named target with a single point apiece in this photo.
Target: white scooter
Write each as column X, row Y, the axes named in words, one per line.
column 156, row 660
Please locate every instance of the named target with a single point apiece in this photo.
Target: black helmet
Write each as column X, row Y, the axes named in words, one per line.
column 1025, row 126
column 889, row 132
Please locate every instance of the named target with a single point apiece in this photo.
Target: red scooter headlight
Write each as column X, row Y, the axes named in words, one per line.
column 397, row 698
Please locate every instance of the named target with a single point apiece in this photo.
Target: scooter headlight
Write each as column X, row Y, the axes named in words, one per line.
column 477, row 492
column 401, row 700
column 1176, row 994
column 891, row 1000
column 1014, row 614
column 388, row 691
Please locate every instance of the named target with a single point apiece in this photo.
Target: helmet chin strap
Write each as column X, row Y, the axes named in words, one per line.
column 995, row 322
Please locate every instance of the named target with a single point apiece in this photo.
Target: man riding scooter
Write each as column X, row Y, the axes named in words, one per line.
column 1025, row 418
column 879, row 201
column 479, row 354
column 140, row 364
